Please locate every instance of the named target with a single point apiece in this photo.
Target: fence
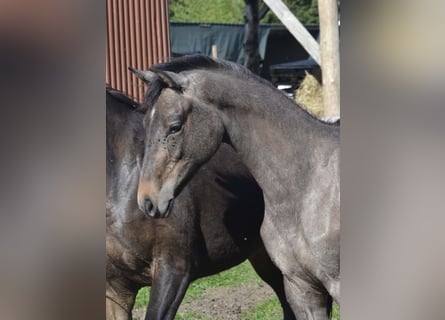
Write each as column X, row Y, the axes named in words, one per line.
column 138, row 35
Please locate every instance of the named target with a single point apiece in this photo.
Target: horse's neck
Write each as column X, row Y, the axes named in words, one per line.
column 124, row 158
column 269, row 131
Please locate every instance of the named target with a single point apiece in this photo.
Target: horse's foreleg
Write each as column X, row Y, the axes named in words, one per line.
column 272, row 276
column 307, row 302
column 168, row 289
column 119, row 301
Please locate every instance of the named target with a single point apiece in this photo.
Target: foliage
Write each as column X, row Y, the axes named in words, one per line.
column 232, row 11
column 305, row 10
column 219, row 11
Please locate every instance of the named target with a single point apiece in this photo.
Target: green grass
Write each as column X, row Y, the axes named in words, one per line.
column 142, row 298
column 241, row 274
column 269, row 309
column 335, row 312
column 192, row 316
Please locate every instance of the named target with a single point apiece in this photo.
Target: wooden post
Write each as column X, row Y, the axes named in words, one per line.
column 330, row 58
column 295, row 27
column 214, row 51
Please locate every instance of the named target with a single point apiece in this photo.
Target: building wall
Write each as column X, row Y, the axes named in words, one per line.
column 138, row 36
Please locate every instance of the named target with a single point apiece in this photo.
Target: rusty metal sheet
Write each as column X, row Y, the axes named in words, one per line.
column 138, row 36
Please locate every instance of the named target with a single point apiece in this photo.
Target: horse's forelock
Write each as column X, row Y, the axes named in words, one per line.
column 151, row 95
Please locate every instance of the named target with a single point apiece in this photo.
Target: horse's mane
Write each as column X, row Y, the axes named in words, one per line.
column 201, row 62
column 195, row 62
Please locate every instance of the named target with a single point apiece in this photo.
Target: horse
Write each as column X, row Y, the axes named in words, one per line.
column 193, row 105
column 214, row 224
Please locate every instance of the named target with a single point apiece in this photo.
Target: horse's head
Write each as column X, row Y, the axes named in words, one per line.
column 182, row 133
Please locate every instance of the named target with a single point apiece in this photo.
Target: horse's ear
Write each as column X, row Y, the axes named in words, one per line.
column 146, row 76
column 173, row 80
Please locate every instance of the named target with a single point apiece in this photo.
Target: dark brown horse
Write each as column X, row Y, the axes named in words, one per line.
column 214, row 224
column 196, row 103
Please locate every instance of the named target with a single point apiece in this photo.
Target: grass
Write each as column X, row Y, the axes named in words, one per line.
column 241, row 274
column 335, row 312
column 142, row 298
column 192, row 316
column 270, row 309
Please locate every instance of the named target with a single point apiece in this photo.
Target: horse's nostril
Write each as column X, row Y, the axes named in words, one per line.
column 148, row 206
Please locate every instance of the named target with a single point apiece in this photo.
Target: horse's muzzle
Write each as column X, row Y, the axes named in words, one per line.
column 150, row 210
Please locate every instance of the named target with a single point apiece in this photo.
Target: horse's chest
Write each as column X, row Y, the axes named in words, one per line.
column 125, row 262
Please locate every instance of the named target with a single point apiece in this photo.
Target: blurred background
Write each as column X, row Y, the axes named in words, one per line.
column 52, row 228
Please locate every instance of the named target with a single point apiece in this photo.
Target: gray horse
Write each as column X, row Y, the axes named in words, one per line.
column 196, row 104
column 214, row 224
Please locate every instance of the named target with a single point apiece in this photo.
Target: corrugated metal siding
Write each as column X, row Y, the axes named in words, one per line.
column 138, row 36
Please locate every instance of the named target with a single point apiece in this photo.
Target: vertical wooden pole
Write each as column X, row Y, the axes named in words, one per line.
column 330, row 57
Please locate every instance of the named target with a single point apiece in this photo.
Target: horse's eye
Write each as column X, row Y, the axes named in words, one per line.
column 174, row 128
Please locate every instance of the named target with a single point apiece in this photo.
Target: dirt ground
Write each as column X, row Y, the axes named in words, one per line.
column 223, row 303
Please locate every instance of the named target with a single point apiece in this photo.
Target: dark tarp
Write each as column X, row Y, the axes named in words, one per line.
column 199, row 37
column 276, row 44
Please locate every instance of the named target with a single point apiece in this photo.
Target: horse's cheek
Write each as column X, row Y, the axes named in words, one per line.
column 174, row 148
